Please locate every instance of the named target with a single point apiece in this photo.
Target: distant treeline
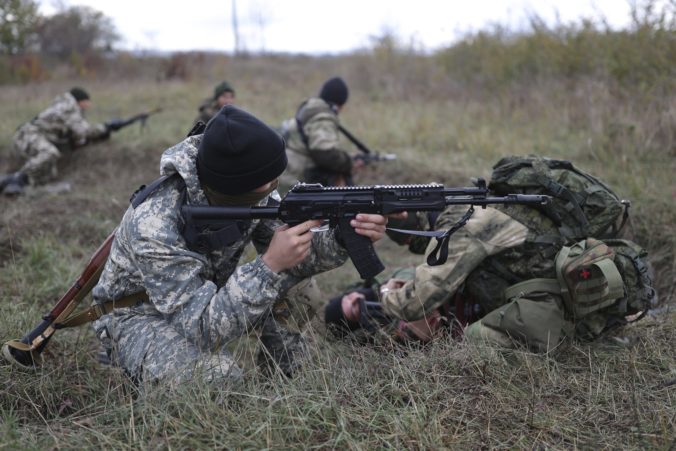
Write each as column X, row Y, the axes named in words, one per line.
column 643, row 54
column 79, row 41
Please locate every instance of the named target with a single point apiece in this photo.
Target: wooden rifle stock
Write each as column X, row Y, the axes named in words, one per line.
column 26, row 352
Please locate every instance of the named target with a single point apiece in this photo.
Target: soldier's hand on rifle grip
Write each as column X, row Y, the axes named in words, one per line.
column 371, row 226
column 289, row 246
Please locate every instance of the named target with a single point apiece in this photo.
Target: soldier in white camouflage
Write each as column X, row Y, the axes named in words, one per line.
column 193, row 298
column 313, row 139
column 38, row 142
column 224, row 94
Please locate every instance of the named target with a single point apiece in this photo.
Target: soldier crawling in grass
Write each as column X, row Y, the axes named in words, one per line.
column 38, row 142
column 192, row 297
column 514, row 276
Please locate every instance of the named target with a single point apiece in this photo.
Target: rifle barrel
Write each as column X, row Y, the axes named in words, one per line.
column 508, row 199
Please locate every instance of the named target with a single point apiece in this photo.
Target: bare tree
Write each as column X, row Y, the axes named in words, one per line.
column 78, row 29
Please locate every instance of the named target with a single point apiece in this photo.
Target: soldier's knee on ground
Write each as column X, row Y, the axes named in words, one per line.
column 41, row 167
column 539, row 324
column 479, row 334
column 207, row 367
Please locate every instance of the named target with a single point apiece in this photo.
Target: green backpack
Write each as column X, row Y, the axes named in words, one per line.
column 582, row 205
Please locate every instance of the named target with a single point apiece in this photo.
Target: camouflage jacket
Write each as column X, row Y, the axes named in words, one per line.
column 63, row 123
column 489, row 232
column 205, row 296
column 320, row 125
column 207, row 110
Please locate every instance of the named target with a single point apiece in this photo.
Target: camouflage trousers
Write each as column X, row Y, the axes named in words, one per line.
column 537, row 321
column 38, row 154
column 149, row 348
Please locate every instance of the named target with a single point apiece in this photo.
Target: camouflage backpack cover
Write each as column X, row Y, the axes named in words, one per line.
column 582, row 205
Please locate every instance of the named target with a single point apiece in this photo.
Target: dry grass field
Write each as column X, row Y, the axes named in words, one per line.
column 614, row 393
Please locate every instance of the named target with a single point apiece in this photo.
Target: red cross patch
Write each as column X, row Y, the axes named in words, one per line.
column 584, row 273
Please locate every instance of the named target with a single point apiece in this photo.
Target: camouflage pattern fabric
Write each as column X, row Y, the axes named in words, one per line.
column 198, row 301
column 489, row 234
column 495, row 251
column 61, row 125
column 207, row 110
column 323, row 155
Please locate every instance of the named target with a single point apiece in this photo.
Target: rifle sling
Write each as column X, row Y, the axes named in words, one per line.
column 353, row 139
column 98, row 310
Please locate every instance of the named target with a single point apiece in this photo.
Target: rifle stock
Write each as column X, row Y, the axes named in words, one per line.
column 27, row 351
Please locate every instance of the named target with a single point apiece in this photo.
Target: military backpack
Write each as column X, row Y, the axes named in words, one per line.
column 582, row 205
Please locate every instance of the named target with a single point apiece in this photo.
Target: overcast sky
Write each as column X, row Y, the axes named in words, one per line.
column 321, row 26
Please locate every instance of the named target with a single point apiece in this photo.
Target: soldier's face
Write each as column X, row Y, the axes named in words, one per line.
column 350, row 305
column 84, row 104
column 227, row 98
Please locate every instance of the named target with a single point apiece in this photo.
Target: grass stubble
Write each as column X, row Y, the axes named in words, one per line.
column 614, row 393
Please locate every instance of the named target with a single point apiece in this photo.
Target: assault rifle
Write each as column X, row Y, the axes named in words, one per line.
column 117, row 124
column 339, row 205
column 367, row 155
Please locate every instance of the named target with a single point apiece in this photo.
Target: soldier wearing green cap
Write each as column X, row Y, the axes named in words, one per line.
column 39, row 142
column 224, row 94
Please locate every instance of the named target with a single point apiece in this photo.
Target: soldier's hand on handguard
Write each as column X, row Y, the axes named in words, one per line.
column 373, row 226
column 289, row 246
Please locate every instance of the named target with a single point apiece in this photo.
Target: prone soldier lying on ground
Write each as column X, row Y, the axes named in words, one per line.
column 514, row 275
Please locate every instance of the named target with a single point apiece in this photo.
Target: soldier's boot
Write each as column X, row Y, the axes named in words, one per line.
column 4, row 179
column 15, row 183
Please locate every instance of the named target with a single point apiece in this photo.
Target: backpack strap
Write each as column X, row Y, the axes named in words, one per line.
column 521, row 289
column 572, row 206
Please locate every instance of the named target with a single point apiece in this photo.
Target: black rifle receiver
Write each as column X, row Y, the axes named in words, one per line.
column 339, row 205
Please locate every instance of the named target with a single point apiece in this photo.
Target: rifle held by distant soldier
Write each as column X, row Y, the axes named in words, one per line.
column 117, row 124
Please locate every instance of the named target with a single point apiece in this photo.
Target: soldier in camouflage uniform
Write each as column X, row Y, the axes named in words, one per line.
column 492, row 252
column 37, row 142
column 193, row 298
column 313, row 139
column 224, row 94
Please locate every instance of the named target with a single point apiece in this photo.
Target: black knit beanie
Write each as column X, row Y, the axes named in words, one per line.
column 79, row 94
column 239, row 153
column 334, row 91
column 335, row 318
